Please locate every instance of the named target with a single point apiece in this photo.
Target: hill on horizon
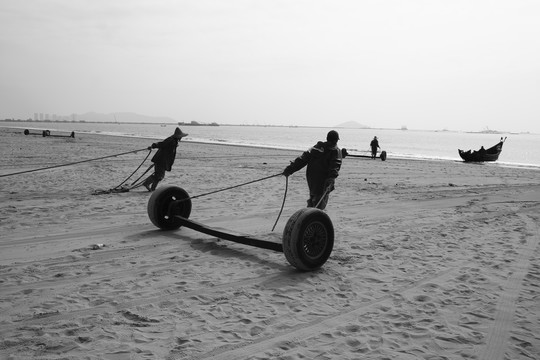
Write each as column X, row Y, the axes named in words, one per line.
column 352, row 125
column 131, row 117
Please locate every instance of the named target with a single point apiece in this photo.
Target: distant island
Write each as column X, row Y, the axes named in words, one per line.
column 489, row 131
column 352, row 125
column 195, row 123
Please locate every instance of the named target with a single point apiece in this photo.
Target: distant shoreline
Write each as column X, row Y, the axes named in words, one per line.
column 161, row 123
column 277, row 148
column 492, row 132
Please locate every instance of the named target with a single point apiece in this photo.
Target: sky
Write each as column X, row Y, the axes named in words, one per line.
column 463, row 65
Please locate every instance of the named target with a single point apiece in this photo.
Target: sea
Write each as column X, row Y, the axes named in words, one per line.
column 519, row 150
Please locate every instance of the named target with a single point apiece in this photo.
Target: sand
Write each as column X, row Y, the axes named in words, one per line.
column 432, row 260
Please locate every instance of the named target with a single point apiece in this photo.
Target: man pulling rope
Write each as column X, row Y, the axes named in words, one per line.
column 163, row 159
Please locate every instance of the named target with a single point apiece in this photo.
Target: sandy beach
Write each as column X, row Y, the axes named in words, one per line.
column 432, row 259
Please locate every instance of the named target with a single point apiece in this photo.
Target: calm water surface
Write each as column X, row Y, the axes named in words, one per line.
column 518, row 150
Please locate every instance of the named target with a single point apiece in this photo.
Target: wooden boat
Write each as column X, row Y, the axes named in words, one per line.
column 491, row 154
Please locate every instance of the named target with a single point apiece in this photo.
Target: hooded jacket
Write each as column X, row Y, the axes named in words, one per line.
column 323, row 163
column 166, row 152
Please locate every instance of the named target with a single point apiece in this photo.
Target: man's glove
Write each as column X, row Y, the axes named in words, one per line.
column 287, row 171
column 149, row 148
column 344, row 153
column 154, row 145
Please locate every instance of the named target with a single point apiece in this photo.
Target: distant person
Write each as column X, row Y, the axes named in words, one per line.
column 163, row 159
column 323, row 164
column 374, row 146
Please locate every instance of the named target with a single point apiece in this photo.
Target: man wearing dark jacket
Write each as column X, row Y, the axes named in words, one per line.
column 374, row 144
column 323, row 163
column 163, row 159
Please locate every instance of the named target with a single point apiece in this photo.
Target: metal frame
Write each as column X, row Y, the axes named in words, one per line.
column 241, row 239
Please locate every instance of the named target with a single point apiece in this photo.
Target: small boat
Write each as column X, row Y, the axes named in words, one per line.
column 491, row 154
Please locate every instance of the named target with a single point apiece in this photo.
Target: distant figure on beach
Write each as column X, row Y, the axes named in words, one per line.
column 323, row 163
column 163, row 159
column 374, row 146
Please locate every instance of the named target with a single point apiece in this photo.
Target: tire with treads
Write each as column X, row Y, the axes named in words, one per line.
column 160, row 202
column 308, row 239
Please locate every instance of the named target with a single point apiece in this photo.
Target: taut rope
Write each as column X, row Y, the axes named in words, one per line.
column 73, row 163
column 231, row 187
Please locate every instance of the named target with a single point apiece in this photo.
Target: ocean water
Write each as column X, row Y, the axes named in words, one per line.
column 519, row 150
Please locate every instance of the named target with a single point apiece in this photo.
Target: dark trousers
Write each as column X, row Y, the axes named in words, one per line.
column 318, row 200
column 153, row 180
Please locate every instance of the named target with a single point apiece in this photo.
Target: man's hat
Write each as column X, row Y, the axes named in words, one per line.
column 332, row 135
column 179, row 134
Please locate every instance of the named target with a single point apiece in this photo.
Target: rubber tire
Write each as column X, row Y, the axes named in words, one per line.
column 158, row 207
column 383, row 155
column 302, row 228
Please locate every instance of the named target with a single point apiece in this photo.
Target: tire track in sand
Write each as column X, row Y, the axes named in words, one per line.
column 46, row 318
column 305, row 330
column 497, row 338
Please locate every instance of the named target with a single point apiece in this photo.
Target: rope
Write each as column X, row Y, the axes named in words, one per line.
column 116, row 187
column 231, row 187
column 121, row 189
column 226, row 157
column 73, row 163
column 321, row 199
column 247, row 183
column 134, row 184
column 283, row 203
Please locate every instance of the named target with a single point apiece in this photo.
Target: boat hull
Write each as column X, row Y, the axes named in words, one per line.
column 482, row 155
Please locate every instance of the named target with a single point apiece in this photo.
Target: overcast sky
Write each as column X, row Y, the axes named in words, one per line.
column 456, row 65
